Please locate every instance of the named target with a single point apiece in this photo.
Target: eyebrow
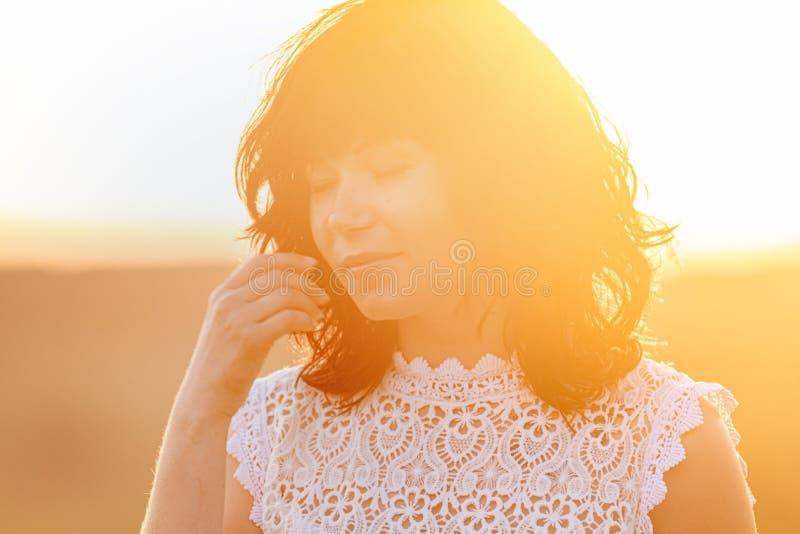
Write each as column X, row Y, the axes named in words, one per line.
column 359, row 148
column 362, row 145
column 323, row 160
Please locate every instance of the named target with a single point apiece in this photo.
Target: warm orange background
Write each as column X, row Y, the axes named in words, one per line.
column 92, row 360
column 118, row 131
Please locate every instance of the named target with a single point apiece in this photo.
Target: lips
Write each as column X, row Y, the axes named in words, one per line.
column 364, row 259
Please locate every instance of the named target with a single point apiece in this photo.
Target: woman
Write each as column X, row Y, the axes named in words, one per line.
column 491, row 376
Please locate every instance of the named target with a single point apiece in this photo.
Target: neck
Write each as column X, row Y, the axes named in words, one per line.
column 440, row 334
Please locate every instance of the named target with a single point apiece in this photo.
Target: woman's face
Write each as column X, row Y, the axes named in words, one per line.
column 385, row 197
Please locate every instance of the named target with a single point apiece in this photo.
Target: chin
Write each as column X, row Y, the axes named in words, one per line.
column 384, row 307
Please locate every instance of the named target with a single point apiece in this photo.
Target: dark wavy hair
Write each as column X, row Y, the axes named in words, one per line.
column 529, row 166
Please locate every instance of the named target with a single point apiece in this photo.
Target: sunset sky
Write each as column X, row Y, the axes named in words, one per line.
column 119, row 121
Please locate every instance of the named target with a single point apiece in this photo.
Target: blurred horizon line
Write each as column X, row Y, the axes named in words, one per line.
column 695, row 261
column 84, row 245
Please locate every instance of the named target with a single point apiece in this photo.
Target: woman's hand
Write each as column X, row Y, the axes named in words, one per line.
column 264, row 298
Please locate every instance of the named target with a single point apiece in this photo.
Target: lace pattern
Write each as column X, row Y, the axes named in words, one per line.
column 680, row 412
column 453, row 450
column 246, row 442
column 491, row 377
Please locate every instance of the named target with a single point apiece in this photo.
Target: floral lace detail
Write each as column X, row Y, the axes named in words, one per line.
column 246, row 443
column 491, row 377
column 452, row 368
column 448, row 449
column 680, row 412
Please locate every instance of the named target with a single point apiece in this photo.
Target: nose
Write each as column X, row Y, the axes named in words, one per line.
column 353, row 208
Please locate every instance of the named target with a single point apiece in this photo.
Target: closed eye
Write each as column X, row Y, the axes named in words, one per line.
column 394, row 171
column 320, row 186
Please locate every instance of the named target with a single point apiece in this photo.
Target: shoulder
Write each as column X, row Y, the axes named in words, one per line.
column 249, row 447
column 690, row 456
column 268, row 396
column 278, row 382
column 280, row 379
column 284, row 401
column 280, row 391
column 710, row 473
column 655, row 376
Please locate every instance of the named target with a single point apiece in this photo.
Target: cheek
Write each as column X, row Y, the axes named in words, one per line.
column 321, row 238
column 418, row 211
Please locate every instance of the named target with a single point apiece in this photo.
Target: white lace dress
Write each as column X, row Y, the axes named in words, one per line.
column 455, row 450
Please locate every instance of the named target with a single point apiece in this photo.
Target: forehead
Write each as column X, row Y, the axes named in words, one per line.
column 363, row 150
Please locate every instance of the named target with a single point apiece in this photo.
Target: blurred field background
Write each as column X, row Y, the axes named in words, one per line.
column 119, row 124
column 92, row 359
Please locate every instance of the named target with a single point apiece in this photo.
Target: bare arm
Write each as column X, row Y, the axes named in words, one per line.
column 706, row 492
column 243, row 321
column 188, row 490
column 238, row 503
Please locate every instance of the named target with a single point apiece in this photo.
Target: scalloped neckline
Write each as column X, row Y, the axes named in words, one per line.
column 451, row 368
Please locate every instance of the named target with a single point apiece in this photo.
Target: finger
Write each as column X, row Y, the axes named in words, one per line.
column 271, row 304
column 280, row 283
column 264, row 263
column 284, row 322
